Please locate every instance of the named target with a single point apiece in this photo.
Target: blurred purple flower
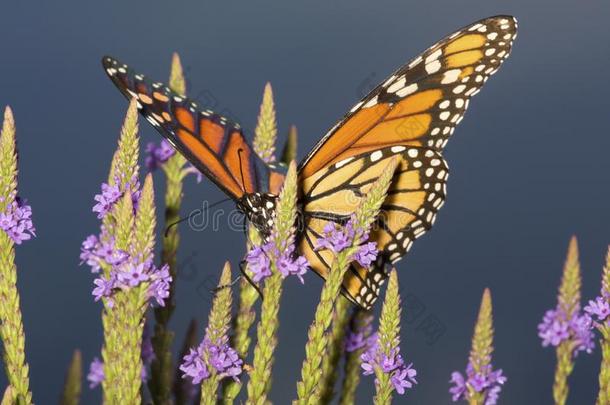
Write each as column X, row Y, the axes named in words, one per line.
column 598, row 308
column 96, row 373
column 359, row 337
column 158, row 154
column 16, row 221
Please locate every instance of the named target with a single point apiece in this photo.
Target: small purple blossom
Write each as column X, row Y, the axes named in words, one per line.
column 556, row 328
column 103, row 288
column 159, row 287
column 105, row 201
column 488, row 381
column 132, row 274
column 157, row 155
column 96, row 373
column 208, row 357
column 336, row 237
column 258, row 263
column 16, row 221
column 287, row 262
column 366, row 254
column 402, row 376
column 598, row 308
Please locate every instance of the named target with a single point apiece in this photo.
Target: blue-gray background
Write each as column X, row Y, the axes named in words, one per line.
column 529, row 163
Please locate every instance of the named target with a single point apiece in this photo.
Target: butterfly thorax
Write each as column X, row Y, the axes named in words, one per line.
column 259, row 208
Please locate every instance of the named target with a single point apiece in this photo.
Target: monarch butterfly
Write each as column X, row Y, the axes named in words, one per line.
column 411, row 115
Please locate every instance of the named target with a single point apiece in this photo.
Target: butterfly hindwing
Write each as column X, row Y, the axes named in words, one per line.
column 415, row 195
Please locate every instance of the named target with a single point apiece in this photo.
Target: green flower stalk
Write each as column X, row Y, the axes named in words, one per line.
column 565, row 327
column 265, row 132
column 266, row 332
column 388, row 338
column 74, row 377
column 482, row 384
column 218, row 326
column 482, row 346
column 290, row 148
column 162, row 368
column 244, row 320
column 598, row 310
column 122, row 256
column 335, row 350
column 309, row 388
column 11, row 210
column 355, row 345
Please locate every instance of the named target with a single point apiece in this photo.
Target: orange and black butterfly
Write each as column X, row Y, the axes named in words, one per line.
column 411, row 115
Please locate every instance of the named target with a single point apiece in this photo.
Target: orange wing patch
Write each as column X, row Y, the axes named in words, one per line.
column 422, row 102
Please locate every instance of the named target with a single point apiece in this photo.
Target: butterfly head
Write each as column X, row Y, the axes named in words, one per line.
column 259, row 208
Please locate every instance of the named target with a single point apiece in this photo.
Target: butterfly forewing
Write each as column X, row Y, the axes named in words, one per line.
column 422, row 102
column 417, row 108
column 212, row 143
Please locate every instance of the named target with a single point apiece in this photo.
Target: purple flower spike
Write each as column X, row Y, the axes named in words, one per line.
column 208, row 357
column 402, row 376
column 159, row 288
column 488, row 381
column 106, row 200
column 258, row 263
column 16, row 221
column 96, row 373
column 556, row 328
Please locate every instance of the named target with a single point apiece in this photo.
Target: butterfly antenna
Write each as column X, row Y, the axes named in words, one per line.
column 196, row 212
column 241, row 169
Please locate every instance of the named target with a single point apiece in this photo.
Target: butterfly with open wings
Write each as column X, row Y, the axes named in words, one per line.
column 411, row 115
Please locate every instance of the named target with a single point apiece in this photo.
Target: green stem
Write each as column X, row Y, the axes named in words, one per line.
column 330, row 364
column 11, row 324
column 564, row 368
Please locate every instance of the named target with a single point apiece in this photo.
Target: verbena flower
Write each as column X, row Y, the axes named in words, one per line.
column 130, row 273
column 158, row 154
column 401, row 375
column 96, row 373
column 488, row 382
column 221, row 358
column 106, row 199
column 337, row 237
column 556, row 328
column 287, row 261
column 358, row 338
column 599, row 309
column 16, row 221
